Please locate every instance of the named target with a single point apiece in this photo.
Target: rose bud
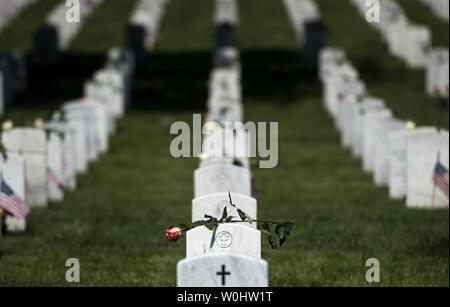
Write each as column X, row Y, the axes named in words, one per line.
column 173, row 233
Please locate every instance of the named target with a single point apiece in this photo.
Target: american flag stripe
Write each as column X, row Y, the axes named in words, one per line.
column 10, row 206
column 11, row 202
column 441, row 178
column 51, row 177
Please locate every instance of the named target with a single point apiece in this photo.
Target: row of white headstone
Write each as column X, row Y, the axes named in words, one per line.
column 440, row 8
column 406, row 40
column 301, row 12
column 413, row 43
column 397, row 154
column 229, row 255
column 148, row 14
column 9, row 9
column 41, row 162
column 68, row 30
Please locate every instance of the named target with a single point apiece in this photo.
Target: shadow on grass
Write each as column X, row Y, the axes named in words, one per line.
column 178, row 81
column 50, row 86
column 175, row 81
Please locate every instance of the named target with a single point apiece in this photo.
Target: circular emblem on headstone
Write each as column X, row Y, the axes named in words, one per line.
column 224, row 239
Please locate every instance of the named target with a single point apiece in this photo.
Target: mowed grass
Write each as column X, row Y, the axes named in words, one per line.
column 114, row 224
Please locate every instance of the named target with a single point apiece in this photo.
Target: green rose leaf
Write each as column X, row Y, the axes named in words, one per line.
column 265, row 228
column 283, row 230
column 242, row 215
column 211, row 225
column 224, row 214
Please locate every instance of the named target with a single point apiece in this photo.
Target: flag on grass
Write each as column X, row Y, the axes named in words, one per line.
column 440, row 177
column 12, row 203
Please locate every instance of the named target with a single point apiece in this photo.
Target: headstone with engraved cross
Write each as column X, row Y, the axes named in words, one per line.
column 222, row 270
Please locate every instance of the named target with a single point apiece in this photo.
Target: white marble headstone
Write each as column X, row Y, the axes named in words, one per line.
column 346, row 92
column 214, row 204
column 233, row 238
column 397, row 164
column 222, row 178
column 69, row 152
column 382, row 150
column 31, row 143
column 423, row 149
column 372, row 122
column 81, row 143
column 77, row 111
column 361, row 109
column 222, row 270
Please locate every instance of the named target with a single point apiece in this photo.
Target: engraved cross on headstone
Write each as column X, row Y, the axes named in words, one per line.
column 223, row 273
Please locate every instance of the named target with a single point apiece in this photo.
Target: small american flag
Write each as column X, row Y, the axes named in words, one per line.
column 51, row 177
column 440, row 177
column 12, row 203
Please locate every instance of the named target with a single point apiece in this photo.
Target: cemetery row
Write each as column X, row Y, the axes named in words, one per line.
column 440, row 8
column 412, row 162
column 230, row 254
column 9, row 9
column 40, row 163
column 55, row 37
column 412, row 43
column 52, row 38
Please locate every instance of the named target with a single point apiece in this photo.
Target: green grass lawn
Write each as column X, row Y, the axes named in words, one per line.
column 115, row 222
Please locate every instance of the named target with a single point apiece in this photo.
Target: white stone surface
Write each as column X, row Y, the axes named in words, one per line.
column 231, row 141
column 31, row 143
column 372, row 122
column 437, row 73
column 397, row 164
column 206, row 271
column 214, row 204
column 348, row 91
column 222, row 178
column 78, row 126
column 423, row 148
column 55, row 159
column 77, row 111
column 69, row 152
column 227, row 238
column 382, row 150
column 364, row 107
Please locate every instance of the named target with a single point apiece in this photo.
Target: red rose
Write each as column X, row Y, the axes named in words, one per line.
column 173, row 233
